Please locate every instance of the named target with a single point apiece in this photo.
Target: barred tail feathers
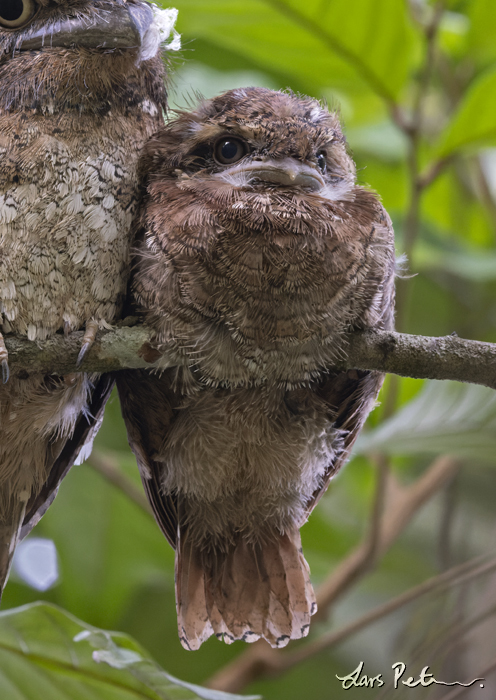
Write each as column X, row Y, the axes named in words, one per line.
column 250, row 592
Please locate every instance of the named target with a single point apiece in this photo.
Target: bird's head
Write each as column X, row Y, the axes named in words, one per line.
column 83, row 48
column 256, row 139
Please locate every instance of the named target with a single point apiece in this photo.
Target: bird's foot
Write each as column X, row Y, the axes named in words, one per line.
column 88, row 340
column 4, row 361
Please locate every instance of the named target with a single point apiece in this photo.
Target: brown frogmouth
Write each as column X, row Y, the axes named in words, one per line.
column 258, row 253
column 81, row 89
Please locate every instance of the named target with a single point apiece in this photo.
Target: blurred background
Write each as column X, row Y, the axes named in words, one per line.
column 415, row 85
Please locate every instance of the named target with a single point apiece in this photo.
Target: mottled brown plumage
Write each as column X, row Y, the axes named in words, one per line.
column 74, row 114
column 258, row 253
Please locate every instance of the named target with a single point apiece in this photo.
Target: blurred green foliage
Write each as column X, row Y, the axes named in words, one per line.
column 415, row 84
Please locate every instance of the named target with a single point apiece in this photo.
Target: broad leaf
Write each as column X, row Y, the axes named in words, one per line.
column 474, row 123
column 47, row 653
column 317, row 43
column 482, row 31
column 445, row 418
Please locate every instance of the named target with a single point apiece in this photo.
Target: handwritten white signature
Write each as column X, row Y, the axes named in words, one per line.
column 358, row 680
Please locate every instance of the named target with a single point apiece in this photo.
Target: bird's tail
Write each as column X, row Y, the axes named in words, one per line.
column 250, row 592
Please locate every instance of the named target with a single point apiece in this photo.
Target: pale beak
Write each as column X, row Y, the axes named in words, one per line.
column 123, row 27
column 287, row 172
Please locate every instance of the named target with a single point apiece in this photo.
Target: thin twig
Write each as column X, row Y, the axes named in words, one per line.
column 277, row 663
column 109, row 469
column 374, row 538
column 452, row 577
column 433, row 171
column 442, row 646
column 418, row 182
column 402, row 505
column 457, row 692
column 458, row 631
column 444, row 544
column 333, row 43
column 430, row 30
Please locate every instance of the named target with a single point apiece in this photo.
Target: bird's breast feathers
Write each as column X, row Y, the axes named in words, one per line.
column 260, row 284
column 69, row 193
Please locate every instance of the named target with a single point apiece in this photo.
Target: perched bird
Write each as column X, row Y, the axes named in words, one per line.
column 257, row 253
column 81, row 89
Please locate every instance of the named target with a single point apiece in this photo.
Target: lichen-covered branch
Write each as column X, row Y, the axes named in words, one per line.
column 447, row 357
column 424, row 357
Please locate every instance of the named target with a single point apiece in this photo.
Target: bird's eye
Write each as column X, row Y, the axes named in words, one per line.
column 229, row 150
column 16, row 13
column 321, row 161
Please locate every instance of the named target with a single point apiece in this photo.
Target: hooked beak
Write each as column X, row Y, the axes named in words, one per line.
column 123, row 27
column 287, row 172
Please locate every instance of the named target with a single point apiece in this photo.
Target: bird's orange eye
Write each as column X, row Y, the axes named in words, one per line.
column 16, row 13
column 229, row 150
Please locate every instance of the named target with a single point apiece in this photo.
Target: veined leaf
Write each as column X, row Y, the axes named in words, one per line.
column 47, row 653
column 445, row 418
column 474, row 123
column 320, row 43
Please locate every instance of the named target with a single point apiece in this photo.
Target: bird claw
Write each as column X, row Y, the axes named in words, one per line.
column 82, row 353
column 88, row 340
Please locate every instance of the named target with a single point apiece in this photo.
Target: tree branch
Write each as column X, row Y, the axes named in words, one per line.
column 424, row 357
column 418, row 356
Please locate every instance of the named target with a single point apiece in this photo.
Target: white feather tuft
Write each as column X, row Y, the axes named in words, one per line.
column 160, row 31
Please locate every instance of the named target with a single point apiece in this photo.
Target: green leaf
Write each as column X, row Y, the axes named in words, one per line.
column 382, row 140
column 47, row 653
column 482, row 31
column 316, row 43
column 445, row 418
column 197, row 78
column 467, row 264
column 474, row 123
